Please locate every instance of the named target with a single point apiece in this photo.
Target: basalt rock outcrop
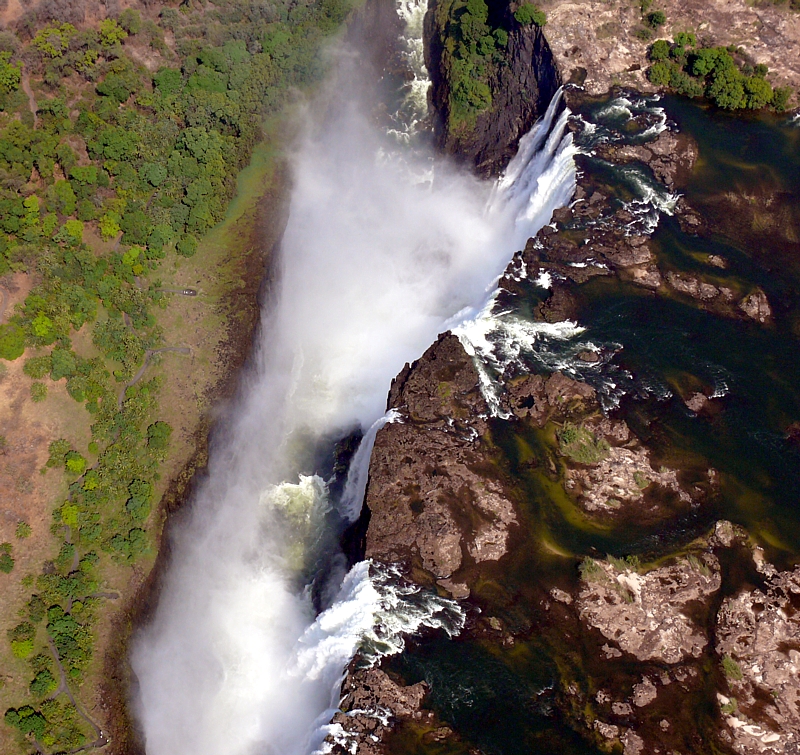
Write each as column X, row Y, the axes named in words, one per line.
column 521, row 89
column 372, row 704
column 435, row 503
column 645, row 615
column 758, row 641
column 598, row 236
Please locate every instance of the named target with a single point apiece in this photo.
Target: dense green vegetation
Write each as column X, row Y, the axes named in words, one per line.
column 474, row 45
column 148, row 162
column 713, row 72
column 581, row 445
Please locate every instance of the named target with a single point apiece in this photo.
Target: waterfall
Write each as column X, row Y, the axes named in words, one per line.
column 373, row 265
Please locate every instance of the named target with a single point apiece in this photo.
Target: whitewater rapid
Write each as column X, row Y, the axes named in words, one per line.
column 374, row 264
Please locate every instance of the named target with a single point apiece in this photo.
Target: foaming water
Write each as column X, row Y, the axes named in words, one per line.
column 238, row 658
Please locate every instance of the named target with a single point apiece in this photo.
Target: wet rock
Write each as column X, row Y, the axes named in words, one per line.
column 632, row 743
column 372, row 703
column 647, row 276
column 793, row 433
column 758, row 641
column 727, row 534
column 561, row 596
column 540, row 397
column 692, row 286
column 621, row 477
column 756, row 306
column 607, row 731
column 644, row 693
column 646, row 614
column 669, row 156
column 696, row 402
column 717, row 261
column 429, row 495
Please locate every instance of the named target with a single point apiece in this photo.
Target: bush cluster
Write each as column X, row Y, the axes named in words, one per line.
column 712, row 72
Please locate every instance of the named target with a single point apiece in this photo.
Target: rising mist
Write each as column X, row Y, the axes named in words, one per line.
column 375, row 262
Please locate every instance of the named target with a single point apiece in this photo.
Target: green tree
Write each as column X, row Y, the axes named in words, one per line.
column 109, row 226
column 660, row 50
column 12, row 342
column 131, row 20
column 158, row 435
column 63, row 198
column 111, row 32
column 528, row 13
column 10, row 74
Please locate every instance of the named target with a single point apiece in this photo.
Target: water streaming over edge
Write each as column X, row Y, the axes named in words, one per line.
column 235, row 661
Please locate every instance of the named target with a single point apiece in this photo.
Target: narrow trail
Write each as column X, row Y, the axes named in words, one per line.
column 26, row 87
column 147, row 355
column 3, row 302
column 63, row 687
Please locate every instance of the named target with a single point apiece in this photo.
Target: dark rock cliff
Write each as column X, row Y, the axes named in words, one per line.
column 522, row 86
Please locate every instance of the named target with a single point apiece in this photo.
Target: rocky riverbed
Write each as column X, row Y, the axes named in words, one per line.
column 706, row 620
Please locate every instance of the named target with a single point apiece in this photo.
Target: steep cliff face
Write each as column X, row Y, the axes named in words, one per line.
column 521, row 76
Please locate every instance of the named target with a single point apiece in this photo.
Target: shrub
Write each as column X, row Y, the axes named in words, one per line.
column 37, row 367
column 187, row 246
column 131, row 20
column 58, row 450
column 528, row 13
column 12, row 342
column 758, row 92
column 580, row 444
column 75, row 463
column 591, row 571
column 138, row 505
column 43, row 683
column 38, row 392
column 659, row 50
column 660, row 73
column 158, row 435
column 780, row 98
column 685, row 39
column 731, row 668
column 656, row 18
column 21, row 638
column 23, row 530
column 6, row 559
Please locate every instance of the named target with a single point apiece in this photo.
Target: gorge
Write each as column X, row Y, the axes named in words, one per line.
column 382, row 251
column 399, row 376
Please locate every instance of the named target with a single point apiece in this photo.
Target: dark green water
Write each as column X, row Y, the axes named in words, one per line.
column 502, row 698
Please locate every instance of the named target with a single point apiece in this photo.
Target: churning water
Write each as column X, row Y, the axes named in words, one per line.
column 374, row 264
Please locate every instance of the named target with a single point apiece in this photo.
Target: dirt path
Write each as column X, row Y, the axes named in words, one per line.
column 149, row 353
column 100, row 740
column 3, row 302
column 26, row 87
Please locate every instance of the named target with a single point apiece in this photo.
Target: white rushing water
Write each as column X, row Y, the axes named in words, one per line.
column 373, row 266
